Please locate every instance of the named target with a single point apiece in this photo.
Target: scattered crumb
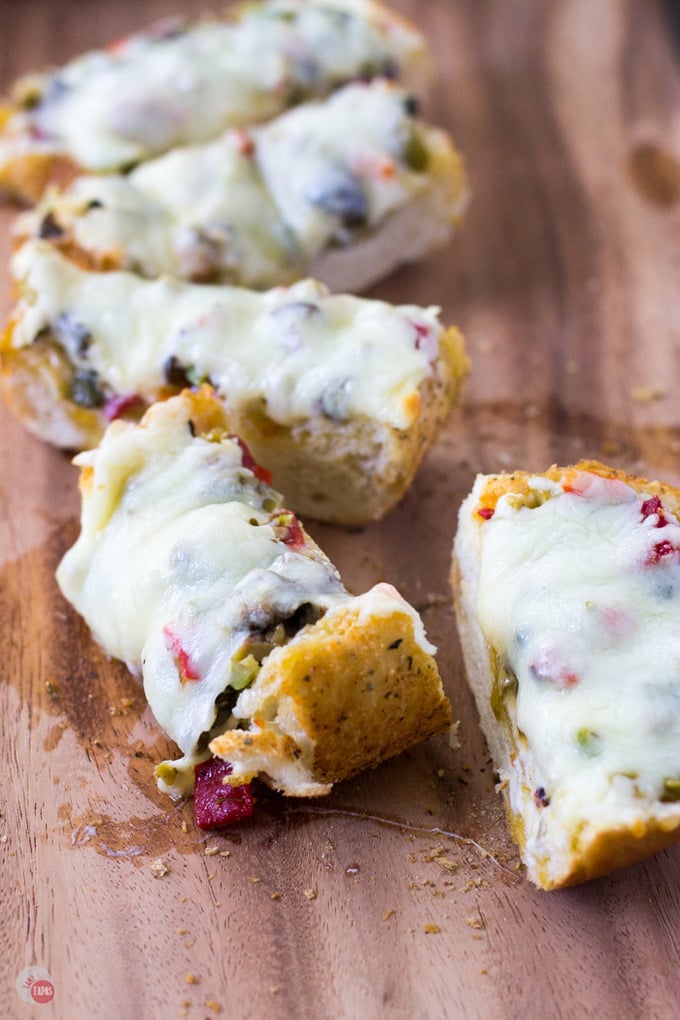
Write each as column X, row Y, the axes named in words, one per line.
column 182, row 931
column 454, row 741
column 310, row 894
column 184, row 826
column 274, row 989
column 253, row 880
column 213, row 1005
column 225, row 853
column 159, row 868
column 210, row 851
column 475, row 922
column 571, row 366
column 483, row 970
column 388, row 914
column 431, row 929
column 210, row 877
column 276, row 896
column 646, row 394
column 3, row 839
column 191, row 979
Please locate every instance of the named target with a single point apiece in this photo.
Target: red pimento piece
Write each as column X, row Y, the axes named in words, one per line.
column 216, row 803
column 116, row 406
column 185, row 667
column 486, row 512
column 422, row 333
column 293, row 534
column 118, row 45
column 654, row 507
column 249, row 462
column 661, row 551
column 244, row 142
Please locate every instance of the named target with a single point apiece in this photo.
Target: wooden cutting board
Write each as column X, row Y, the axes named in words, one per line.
column 401, row 894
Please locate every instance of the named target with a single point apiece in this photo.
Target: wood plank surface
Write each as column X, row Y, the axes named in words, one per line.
column 400, row 895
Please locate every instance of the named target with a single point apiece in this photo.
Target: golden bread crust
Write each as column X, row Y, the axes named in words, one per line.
column 344, row 695
column 591, row 851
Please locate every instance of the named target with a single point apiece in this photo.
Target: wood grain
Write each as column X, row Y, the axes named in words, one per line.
column 398, row 896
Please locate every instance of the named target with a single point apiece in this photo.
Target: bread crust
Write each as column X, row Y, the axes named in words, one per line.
column 589, row 851
column 342, row 696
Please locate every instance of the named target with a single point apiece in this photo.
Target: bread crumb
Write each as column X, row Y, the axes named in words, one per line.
column 213, row 1005
column 646, row 394
column 253, row 880
column 310, row 894
column 184, row 827
column 475, row 922
column 483, row 970
column 225, row 853
column 159, row 868
column 276, row 896
column 182, row 931
column 191, row 979
column 431, row 929
column 388, row 914
column 210, row 851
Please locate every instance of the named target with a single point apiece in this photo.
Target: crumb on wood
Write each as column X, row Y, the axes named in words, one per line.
column 191, row 979
column 159, row 868
column 431, row 929
column 475, row 922
column 310, row 894
column 388, row 914
column 213, row 1005
column 210, row 851
column 647, row 394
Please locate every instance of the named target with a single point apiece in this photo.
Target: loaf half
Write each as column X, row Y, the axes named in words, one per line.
column 567, row 586
column 189, row 568
column 338, row 396
column 184, row 82
column 344, row 189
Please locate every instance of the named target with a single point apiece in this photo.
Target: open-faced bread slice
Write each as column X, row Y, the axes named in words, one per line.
column 567, row 586
column 184, row 82
column 189, row 568
column 344, row 190
column 338, row 396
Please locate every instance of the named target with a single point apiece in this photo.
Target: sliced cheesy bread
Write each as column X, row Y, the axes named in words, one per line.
column 567, row 587
column 344, row 190
column 189, row 569
column 338, row 396
column 184, row 82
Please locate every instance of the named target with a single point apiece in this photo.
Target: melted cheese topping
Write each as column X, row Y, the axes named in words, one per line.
column 578, row 597
column 255, row 208
column 180, row 564
column 180, row 84
column 297, row 352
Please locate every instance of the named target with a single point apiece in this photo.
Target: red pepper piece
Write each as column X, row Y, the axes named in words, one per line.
column 185, row 667
column 249, row 462
column 216, row 803
column 661, row 551
column 289, row 530
column 486, row 512
column 116, row 406
column 653, row 506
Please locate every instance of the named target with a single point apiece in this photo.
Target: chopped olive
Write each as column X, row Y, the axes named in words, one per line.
column 74, row 335
column 49, row 228
column 244, row 672
column 175, row 373
column 341, row 195
column 167, row 773
column 541, row 798
column 335, row 401
column 95, row 203
column 589, row 742
column 85, row 390
column 416, row 155
column 671, row 789
column 411, row 106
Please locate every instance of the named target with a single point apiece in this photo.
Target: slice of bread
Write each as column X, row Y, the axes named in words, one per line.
column 339, row 397
column 344, row 190
column 189, row 568
column 567, row 587
column 184, row 82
